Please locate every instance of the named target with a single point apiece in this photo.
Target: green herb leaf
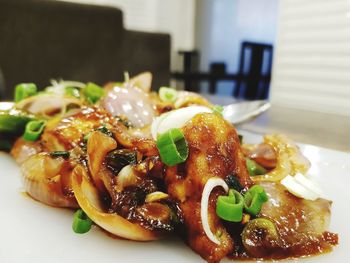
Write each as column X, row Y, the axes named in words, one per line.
column 117, row 159
column 63, row 154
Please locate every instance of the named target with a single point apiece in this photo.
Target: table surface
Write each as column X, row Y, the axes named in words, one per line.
column 321, row 129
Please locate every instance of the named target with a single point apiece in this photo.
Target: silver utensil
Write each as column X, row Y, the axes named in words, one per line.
column 243, row 111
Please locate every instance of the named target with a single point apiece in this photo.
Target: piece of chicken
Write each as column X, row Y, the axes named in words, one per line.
column 214, row 151
column 63, row 134
column 301, row 226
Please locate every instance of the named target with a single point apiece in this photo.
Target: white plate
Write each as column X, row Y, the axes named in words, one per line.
column 33, row 232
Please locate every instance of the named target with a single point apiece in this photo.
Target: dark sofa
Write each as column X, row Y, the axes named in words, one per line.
column 44, row 39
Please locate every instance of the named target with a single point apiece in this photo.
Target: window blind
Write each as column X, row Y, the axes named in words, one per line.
column 312, row 56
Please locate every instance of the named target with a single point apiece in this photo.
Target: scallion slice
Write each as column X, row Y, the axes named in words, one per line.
column 14, row 121
column 254, row 168
column 218, row 109
column 93, row 92
column 254, row 198
column 230, row 208
column 167, row 94
column 81, row 222
column 33, row 130
column 72, row 91
column 24, row 90
column 172, row 147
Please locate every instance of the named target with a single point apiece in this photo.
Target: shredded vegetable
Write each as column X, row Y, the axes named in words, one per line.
column 172, row 147
column 254, row 198
column 209, row 186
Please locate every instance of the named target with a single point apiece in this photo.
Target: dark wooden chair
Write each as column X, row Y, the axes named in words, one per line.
column 254, row 75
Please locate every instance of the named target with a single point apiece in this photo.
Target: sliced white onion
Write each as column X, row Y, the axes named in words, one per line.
column 175, row 119
column 209, row 186
column 155, row 196
column 308, row 183
column 142, row 81
column 155, row 124
column 46, row 103
column 126, row 177
column 130, row 102
column 59, row 87
column 298, row 189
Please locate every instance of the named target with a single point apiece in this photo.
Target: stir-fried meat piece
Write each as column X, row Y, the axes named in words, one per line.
column 301, row 225
column 214, row 151
column 123, row 193
column 263, row 153
column 287, row 227
column 62, row 134
column 135, row 139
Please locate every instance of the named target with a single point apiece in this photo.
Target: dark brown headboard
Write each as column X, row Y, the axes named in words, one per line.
column 44, row 39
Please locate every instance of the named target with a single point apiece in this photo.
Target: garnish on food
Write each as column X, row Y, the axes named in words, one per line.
column 143, row 165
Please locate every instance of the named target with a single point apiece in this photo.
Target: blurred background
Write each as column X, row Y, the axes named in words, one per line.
column 292, row 52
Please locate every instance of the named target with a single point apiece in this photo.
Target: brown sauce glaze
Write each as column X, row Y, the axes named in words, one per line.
column 214, row 151
column 67, row 132
column 301, row 226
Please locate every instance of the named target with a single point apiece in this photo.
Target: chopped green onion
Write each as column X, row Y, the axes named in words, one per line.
column 72, row 91
column 256, row 234
column 33, row 130
column 254, row 168
column 13, row 121
column 24, row 90
column 218, row 109
column 254, row 198
column 63, row 154
column 172, row 147
column 81, row 222
column 167, row 94
column 230, row 208
column 93, row 92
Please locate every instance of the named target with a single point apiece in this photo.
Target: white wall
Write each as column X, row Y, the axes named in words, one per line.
column 312, row 62
column 175, row 17
column 223, row 24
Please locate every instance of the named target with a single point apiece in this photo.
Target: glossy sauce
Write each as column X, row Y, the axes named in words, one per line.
column 301, row 225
